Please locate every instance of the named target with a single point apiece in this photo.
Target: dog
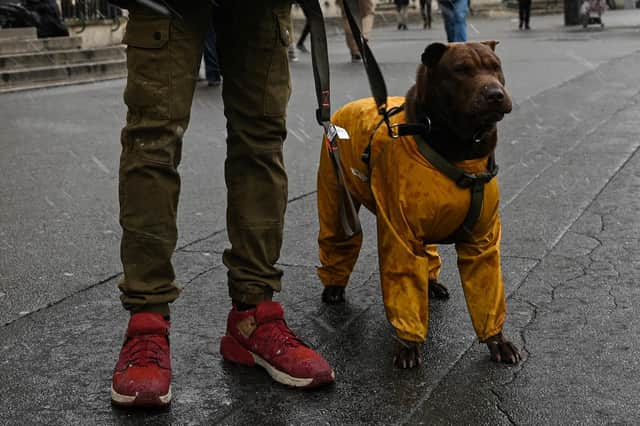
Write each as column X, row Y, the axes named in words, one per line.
column 457, row 99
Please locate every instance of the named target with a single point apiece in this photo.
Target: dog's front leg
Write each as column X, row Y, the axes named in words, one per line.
column 502, row 350
column 408, row 354
column 333, row 294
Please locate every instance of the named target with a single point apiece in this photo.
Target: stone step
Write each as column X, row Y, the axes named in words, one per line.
column 13, row 46
column 24, row 79
column 27, row 33
column 60, row 57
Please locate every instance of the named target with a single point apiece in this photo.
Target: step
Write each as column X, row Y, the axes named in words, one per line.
column 61, row 75
column 60, row 57
column 26, row 33
column 11, row 46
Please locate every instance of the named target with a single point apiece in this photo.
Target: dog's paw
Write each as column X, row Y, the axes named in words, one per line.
column 408, row 354
column 438, row 290
column 333, row 294
column 502, row 350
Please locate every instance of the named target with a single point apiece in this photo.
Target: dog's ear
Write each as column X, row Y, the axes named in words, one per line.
column 433, row 53
column 491, row 43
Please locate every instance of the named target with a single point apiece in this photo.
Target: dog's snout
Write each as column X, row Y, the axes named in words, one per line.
column 495, row 94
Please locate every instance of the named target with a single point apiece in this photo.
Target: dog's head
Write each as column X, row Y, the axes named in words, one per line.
column 461, row 86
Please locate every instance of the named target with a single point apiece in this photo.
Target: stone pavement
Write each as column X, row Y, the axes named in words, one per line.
column 570, row 179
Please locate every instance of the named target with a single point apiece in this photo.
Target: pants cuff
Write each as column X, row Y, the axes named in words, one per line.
column 162, row 309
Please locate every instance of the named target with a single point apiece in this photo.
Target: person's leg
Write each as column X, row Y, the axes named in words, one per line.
column 348, row 35
column 210, row 53
column 303, row 36
column 527, row 14
column 252, row 40
column 293, row 57
column 460, row 9
column 367, row 11
column 429, row 18
column 405, row 17
column 446, row 8
column 521, row 9
column 253, row 53
column 163, row 58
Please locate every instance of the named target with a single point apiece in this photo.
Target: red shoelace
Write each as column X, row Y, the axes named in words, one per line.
column 141, row 351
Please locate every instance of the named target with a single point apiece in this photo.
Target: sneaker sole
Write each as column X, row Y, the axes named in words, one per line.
column 229, row 345
column 140, row 400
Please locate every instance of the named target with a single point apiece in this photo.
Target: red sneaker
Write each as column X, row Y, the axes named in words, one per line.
column 261, row 336
column 142, row 376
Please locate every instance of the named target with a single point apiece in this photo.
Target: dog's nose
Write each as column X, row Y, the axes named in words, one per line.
column 495, row 94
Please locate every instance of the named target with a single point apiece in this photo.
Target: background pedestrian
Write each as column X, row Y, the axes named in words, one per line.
column 524, row 10
column 402, row 9
column 454, row 14
column 367, row 18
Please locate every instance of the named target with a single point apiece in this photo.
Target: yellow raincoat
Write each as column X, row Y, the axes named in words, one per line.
column 414, row 204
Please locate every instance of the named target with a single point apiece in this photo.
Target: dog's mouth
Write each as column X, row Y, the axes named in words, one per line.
column 490, row 118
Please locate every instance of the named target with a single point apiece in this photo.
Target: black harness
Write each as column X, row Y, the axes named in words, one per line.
column 475, row 182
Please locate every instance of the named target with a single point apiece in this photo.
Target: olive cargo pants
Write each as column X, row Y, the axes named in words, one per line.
column 163, row 59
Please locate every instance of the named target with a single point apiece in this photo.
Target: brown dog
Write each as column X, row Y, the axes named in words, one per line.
column 458, row 98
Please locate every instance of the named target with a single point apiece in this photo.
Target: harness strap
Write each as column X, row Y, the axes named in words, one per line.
column 474, row 181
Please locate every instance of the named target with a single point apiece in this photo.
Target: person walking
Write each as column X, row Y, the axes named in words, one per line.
column 163, row 57
column 524, row 10
column 366, row 25
column 210, row 55
column 425, row 12
column 402, row 9
column 306, row 30
column 454, row 14
column 293, row 56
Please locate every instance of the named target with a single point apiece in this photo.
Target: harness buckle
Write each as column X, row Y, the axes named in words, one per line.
column 466, row 180
column 394, row 130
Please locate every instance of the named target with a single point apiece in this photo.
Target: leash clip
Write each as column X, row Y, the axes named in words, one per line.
column 394, row 130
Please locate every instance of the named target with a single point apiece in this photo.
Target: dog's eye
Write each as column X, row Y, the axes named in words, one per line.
column 495, row 66
column 462, row 69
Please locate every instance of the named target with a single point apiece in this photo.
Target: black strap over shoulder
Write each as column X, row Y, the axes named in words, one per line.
column 474, row 181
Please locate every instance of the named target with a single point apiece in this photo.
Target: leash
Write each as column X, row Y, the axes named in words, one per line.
column 376, row 80
column 474, row 182
column 320, row 62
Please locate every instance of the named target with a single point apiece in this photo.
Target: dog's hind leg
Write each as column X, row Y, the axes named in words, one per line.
column 338, row 252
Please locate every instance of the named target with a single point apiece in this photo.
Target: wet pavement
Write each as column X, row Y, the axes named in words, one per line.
column 570, row 179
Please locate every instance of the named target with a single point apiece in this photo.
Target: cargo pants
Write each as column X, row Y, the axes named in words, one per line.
column 163, row 60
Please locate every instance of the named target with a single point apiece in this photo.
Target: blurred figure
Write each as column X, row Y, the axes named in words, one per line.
column 402, row 9
column 293, row 57
column 210, row 55
column 303, row 36
column 454, row 14
column 524, row 10
column 366, row 25
column 425, row 12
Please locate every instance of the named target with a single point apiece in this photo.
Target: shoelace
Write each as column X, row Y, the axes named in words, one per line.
column 281, row 336
column 146, row 350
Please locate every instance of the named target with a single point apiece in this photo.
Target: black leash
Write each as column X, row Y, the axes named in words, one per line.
column 320, row 61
